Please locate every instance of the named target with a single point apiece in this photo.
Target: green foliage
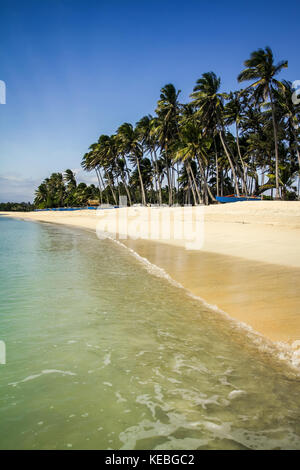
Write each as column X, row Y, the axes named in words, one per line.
column 242, row 142
column 62, row 191
column 16, row 206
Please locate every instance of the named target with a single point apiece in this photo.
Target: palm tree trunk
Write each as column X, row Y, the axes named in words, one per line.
column 103, row 185
column 194, row 181
column 231, row 164
column 118, row 186
column 222, row 182
column 169, row 185
column 168, row 176
column 297, row 147
column 99, row 184
column 158, row 178
column 153, row 166
column 112, row 189
column 177, row 182
column 240, row 155
column 217, row 168
column 173, row 183
column 277, row 195
column 206, row 186
column 298, row 156
column 126, row 188
column 141, row 182
column 191, row 184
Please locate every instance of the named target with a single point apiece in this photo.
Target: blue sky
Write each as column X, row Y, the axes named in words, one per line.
column 75, row 69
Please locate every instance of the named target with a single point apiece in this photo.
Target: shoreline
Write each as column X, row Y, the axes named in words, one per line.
column 233, row 270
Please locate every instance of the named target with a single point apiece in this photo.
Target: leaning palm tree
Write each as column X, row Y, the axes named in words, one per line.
column 91, row 161
column 69, row 178
column 261, row 68
column 41, row 196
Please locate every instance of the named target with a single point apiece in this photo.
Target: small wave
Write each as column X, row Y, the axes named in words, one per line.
column 277, row 438
column 107, row 359
column 43, row 372
column 236, row 393
column 151, row 268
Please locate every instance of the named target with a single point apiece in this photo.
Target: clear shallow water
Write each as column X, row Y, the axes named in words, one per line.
column 101, row 354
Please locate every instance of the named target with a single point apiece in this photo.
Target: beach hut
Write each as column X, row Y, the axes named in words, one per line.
column 93, row 202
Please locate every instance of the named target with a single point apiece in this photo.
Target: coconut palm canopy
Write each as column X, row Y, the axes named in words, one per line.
column 244, row 142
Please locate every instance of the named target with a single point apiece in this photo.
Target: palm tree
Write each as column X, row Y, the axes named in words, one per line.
column 193, row 146
column 122, row 171
column 233, row 115
column 209, row 103
column 146, row 128
column 290, row 111
column 107, row 154
column 129, row 144
column 41, row 196
column 91, row 161
column 81, row 194
column 167, row 127
column 56, row 189
column 69, row 178
column 261, row 68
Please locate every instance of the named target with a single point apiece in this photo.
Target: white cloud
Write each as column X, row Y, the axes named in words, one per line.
column 13, row 188
column 84, row 176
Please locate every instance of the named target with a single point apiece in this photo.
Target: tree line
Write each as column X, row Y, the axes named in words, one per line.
column 16, row 206
column 62, row 190
column 242, row 142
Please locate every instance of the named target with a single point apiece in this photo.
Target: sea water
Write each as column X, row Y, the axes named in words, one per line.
column 102, row 354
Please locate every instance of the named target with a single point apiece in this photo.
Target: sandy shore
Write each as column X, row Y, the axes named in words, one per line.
column 247, row 261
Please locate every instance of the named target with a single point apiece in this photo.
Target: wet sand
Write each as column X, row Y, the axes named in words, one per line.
column 262, row 295
column 248, row 266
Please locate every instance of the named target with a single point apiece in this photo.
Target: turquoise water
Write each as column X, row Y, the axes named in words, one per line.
column 102, row 354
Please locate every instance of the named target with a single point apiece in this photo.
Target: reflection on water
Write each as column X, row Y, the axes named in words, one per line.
column 101, row 354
